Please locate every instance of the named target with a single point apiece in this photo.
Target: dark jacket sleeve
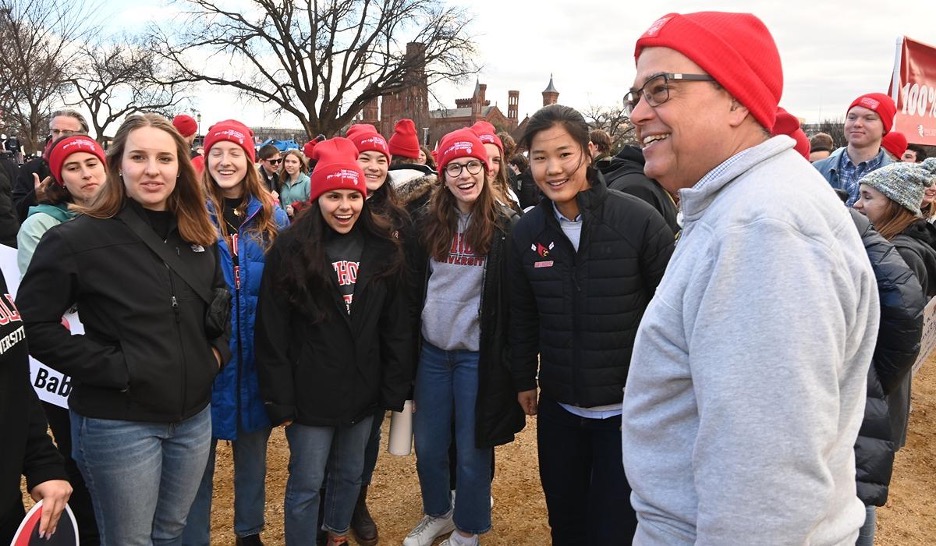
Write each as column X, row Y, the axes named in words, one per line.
column 42, row 461
column 49, row 289
column 658, row 246
column 271, row 345
column 523, row 332
column 24, row 190
column 396, row 348
column 9, row 223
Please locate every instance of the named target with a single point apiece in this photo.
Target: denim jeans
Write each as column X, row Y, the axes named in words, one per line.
column 142, row 476
column 866, row 533
column 447, row 384
column 250, row 451
column 311, row 449
column 581, row 469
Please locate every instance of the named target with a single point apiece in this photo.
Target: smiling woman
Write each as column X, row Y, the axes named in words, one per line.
column 140, row 263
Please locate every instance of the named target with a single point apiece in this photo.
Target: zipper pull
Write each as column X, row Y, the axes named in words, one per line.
column 175, row 307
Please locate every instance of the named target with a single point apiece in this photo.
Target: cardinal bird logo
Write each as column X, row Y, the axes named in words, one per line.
column 541, row 250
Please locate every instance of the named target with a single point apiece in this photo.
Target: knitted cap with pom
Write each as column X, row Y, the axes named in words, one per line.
column 903, row 183
column 336, row 168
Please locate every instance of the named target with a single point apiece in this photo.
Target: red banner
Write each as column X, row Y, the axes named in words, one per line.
column 913, row 88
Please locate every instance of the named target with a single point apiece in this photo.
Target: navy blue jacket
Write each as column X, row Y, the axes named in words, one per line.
column 236, row 403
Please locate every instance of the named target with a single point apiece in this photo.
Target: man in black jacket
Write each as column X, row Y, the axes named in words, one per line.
column 27, row 449
column 625, row 172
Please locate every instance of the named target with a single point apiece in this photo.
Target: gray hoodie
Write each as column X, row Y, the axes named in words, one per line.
column 746, row 388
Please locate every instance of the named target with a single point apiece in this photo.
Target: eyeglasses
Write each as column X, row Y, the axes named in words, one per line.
column 656, row 90
column 62, row 132
column 274, row 161
column 454, row 170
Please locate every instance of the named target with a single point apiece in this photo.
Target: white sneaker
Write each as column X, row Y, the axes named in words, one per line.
column 428, row 529
column 457, row 540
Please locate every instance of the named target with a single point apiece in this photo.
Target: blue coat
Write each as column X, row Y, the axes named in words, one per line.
column 235, row 399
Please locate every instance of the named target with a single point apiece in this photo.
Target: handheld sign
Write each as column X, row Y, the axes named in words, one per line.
column 66, row 533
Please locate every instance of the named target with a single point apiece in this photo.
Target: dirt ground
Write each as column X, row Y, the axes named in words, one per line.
column 519, row 515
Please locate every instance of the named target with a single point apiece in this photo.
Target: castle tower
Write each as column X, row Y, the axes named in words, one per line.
column 550, row 94
column 371, row 111
column 513, row 106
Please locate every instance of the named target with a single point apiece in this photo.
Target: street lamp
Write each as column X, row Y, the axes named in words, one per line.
column 198, row 121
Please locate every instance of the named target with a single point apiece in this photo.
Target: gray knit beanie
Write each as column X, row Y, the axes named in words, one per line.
column 903, row 183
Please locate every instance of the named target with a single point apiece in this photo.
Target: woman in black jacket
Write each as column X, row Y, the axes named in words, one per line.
column 332, row 340
column 460, row 302
column 141, row 265
column 583, row 265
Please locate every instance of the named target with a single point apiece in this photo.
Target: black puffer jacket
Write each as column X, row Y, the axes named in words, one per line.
column 917, row 246
column 498, row 415
column 625, row 172
column 579, row 311
column 897, row 346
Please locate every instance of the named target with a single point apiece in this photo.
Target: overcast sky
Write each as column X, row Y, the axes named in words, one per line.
column 832, row 50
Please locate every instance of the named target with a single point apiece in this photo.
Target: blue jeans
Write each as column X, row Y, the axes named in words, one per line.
column 581, row 469
column 447, row 383
column 250, row 451
column 866, row 533
column 311, row 449
column 142, row 476
column 373, row 448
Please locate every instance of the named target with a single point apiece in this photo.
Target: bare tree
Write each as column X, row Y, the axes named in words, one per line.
column 37, row 38
column 319, row 61
column 122, row 77
column 614, row 121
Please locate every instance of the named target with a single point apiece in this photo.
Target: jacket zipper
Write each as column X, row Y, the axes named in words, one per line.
column 178, row 322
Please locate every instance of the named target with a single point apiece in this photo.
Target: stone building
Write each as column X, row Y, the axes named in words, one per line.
column 413, row 102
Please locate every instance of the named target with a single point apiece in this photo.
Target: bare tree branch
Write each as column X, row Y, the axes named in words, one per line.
column 318, row 61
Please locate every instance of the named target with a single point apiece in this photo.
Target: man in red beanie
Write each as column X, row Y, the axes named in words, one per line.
column 746, row 387
column 868, row 119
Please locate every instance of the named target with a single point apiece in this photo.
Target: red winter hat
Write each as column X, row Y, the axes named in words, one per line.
column 880, row 103
column 460, row 143
column 487, row 134
column 366, row 139
column 895, row 143
column 232, row 131
column 308, row 148
column 68, row 146
column 404, row 142
column 787, row 124
column 185, row 125
column 337, row 168
column 734, row 48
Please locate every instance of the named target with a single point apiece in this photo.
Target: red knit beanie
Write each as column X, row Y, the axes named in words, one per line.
column 68, row 146
column 460, row 143
column 185, row 125
column 880, row 103
column 366, row 139
column 336, row 168
column 895, row 143
column 787, row 124
column 487, row 134
column 734, row 48
column 404, row 142
column 232, row 131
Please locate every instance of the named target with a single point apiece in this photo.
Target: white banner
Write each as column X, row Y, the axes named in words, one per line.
column 50, row 385
column 928, row 341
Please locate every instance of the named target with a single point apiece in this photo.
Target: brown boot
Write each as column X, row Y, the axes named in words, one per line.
column 362, row 524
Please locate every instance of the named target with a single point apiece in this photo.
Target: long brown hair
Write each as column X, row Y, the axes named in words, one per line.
column 303, row 163
column 266, row 227
column 442, row 222
column 186, row 201
column 895, row 220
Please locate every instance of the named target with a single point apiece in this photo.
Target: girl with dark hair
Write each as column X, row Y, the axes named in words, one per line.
column 247, row 222
column 141, row 265
column 583, row 265
column 78, row 172
column 332, row 341
column 462, row 373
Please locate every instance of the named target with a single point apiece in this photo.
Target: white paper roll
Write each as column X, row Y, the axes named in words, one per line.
column 401, row 430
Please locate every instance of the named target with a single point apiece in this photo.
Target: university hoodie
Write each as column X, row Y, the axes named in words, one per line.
column 747, row 385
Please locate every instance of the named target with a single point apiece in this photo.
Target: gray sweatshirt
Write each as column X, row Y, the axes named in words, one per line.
column 451, row 318
column 746, row 388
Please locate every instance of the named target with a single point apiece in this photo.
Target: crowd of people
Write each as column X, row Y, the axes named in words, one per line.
column 706, row 365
